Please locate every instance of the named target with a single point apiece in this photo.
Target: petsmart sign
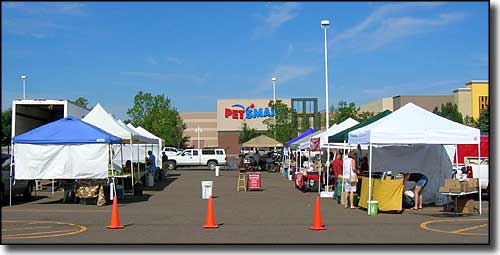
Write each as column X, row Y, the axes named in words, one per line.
column 239, row 112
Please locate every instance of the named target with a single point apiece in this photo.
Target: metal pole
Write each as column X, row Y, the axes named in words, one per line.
column 326, row 82
column 370, row 177
column 10, row 175
column 24, row 88
column 274, row 100
column 132, row 163
column 479, row 178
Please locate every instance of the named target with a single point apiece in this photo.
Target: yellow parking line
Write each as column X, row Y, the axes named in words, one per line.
column 17, row 210
column 470, row 228
column 48, row 233
column 24, row 228
column 424, row 226
column 36, row 233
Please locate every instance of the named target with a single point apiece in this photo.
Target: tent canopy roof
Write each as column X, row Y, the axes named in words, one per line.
column 68, row 130
column 296, row 144
column 262, row 141
column 412, row 124
column 343, row 136
column 99, row 117
column 306, row 133
column 336, row 128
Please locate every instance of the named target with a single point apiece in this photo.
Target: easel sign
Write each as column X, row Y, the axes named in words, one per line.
column 254, row 181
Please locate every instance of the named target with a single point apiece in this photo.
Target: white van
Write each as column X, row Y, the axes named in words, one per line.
column 198, row 157
column 170, row 151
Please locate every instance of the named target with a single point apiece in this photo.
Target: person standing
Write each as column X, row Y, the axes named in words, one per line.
column 349, row 170
column 337, row 165
column 421, row 181
column 152, row 164
column 164, row 163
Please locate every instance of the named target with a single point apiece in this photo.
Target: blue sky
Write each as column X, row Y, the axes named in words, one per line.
column 195, row 53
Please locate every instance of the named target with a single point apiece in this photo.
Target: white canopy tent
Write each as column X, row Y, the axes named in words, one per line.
column 412, row 124
column 100, row 118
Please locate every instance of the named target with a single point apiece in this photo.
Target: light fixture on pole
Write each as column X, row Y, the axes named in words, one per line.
column 274, row 101
column 325, row 24
column 198, row 131
column 24, row 77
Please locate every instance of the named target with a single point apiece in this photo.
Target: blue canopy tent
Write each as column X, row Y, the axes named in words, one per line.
column 286, row 158
column 64, row 149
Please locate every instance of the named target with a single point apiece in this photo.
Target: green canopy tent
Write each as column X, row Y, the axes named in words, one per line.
column 342, row 136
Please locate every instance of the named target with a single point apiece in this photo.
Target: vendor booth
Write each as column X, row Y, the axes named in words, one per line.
column 262, row 141
column 105, row 121
column 64, row 149
column 414, row 130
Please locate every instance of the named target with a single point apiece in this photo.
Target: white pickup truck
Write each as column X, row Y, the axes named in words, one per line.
column 472, row 163
column 198, row 157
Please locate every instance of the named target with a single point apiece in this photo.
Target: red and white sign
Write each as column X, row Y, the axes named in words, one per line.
column 254, row 181
column 314, row 144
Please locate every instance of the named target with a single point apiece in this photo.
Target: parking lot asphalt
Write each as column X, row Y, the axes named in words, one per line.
column 173, row 212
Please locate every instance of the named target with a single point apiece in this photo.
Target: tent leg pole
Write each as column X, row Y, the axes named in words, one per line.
column 132, row 164
column 327, row 169
column 370, row 178
column 52, row 187
column 479, row 179
column 10, row 175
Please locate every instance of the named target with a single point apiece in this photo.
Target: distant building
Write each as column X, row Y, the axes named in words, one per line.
column 470, row 100
column 222, row 128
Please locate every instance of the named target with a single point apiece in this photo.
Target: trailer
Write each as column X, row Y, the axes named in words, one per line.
column 28, row 114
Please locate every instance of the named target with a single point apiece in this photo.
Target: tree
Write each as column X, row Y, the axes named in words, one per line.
column 6, row 126
column 155, row 114
column 470, row 121
column 449, row 111
column 484, row 120
column 361, row 116
column 247, row 133
column 285, row 123
column 343, row 112
column 82, row 102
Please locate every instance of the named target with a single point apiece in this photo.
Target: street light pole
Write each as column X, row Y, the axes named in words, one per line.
column 274, row 101
column 24, row 77
column 325, row 24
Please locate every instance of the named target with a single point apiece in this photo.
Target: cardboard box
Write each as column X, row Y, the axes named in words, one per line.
column 463, row 186
column 451, row 183
column 444, row 190
column 465, row 206
column 455, row 190
column 473, row 181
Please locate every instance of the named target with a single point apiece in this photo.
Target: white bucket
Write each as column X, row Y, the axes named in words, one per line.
column 206, row 189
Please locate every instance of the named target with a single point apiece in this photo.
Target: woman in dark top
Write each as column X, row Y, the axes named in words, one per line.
column 421, row 181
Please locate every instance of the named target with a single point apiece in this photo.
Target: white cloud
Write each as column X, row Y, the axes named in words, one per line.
column 48, row 8
column 174, row 60
column 290, row 49
column 152, row 60
column 36, row 29
column 285, row 73
column 37, row 17
column 390, row 23
column 412, row 88
column 275, row 18
column 143, row 74
column 180, row 78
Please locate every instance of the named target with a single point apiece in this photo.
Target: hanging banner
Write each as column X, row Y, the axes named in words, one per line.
column 314, row 144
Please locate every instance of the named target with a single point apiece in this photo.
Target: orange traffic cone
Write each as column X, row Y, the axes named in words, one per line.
column 115, row 219
column 317, row 217
column 210, row 215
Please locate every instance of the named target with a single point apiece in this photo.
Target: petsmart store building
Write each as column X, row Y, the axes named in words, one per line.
column 222, row 128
